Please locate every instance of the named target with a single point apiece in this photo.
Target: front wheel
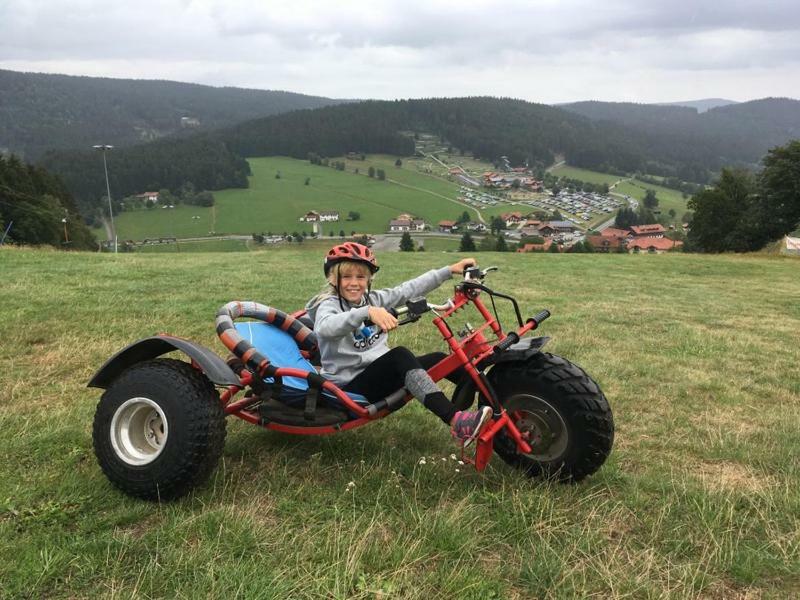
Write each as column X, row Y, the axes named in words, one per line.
column 560, row 411
column 159, row 429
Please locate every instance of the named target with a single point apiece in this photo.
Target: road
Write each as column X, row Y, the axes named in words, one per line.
column 390, row 242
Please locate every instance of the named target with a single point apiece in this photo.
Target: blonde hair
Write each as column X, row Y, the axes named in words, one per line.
column 335, row 272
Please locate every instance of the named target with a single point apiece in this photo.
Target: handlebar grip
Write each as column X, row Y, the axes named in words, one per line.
column 391, row 311
column 539, row 317
column 511, row 339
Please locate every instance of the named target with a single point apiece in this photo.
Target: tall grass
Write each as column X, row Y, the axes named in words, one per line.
column 697, row 355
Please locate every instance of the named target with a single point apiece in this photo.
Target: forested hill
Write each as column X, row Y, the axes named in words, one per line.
column 40, row 111
column 202, row 159
column 736, row 134
column 487, row 127
column 669, row 141
column 36, row 208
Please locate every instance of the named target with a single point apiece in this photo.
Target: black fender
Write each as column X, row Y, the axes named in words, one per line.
column 212, row 365
column 464, row 394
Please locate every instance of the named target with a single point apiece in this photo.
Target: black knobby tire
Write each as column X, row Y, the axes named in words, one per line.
column 563, row 412
column 159, row 429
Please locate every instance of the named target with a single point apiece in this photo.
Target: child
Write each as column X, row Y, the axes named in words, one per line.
column 358, row 359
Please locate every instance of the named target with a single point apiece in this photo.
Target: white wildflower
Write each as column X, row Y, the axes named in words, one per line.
column 422, row 461
column 453, row 457
column 461, row 462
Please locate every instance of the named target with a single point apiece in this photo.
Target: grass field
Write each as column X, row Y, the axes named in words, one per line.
column 667, row 198
column 700, row 498
column 201, row 246
column 275, row 205
column 585, row 175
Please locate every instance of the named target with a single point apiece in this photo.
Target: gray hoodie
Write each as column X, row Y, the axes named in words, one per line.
column 346, row 346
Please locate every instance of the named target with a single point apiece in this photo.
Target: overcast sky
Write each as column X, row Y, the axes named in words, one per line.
column 539, row 50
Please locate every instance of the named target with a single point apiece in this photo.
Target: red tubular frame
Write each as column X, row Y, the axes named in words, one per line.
column 466, row 352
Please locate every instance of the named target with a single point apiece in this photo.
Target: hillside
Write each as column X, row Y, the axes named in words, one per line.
column 39, row 112
column 616, row 138
column 36, row 209
column 484, row 127
column 699, row 497
column 681, row 141
column 701, row 105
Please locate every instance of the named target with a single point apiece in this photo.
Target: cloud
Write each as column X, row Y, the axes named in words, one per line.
column 541, row 50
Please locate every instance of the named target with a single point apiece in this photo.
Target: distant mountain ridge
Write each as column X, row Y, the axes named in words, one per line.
column 616, row 138
column 701, row 105
column 735, row 134
column 40, row 112
column 485, row 127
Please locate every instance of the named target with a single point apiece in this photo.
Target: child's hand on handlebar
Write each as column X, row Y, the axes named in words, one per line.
column 382, row 318
column 458, row 268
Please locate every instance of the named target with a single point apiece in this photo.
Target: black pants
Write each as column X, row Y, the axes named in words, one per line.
column 388, row 374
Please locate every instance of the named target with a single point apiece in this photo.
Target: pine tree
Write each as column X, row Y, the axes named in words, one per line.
column 406, row 243
column 467, row 243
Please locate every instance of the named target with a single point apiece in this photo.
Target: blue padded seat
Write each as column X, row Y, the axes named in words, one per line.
column 282, row 351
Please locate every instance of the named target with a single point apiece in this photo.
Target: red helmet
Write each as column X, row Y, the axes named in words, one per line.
column 350, row 251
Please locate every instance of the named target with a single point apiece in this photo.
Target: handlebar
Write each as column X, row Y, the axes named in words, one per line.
column 539, row 317
column 476, row 274
column 511, row 339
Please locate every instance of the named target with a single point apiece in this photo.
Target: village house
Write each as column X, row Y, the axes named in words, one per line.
column 550, row 228
column 406, row 222
column 606, row 243
column 543, row 247
column 397, row 225
column 649, row 231
column 512, row 218
column 313, row 216
column 151, row 197
column 653, row 245
column 473, row 226
column 529, row 231
column 496, row 180
column 493, row 180
column 613, row 232
column 532, row 184
column 447, row 226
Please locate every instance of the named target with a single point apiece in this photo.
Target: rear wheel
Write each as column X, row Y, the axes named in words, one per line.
column 159, row 429
column 560, row 411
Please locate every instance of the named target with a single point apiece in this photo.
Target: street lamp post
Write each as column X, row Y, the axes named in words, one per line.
column 103, row 148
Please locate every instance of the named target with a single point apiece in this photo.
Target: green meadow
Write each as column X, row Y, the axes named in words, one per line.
column 667, row 198
column 585, row 175
column 278, row 196
column 275, row 204
column 700, row 497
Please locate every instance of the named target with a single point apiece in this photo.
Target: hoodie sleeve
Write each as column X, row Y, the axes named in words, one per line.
column 419, row 286
column 331, row 322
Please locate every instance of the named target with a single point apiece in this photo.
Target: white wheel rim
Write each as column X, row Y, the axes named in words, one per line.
column 139, row 431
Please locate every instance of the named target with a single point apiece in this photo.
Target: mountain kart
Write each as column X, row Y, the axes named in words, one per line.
column 159, row 427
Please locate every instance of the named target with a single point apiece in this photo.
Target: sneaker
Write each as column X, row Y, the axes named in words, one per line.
column 468, row 425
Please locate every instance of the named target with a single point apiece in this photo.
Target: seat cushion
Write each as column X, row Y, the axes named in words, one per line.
column 282, row 351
